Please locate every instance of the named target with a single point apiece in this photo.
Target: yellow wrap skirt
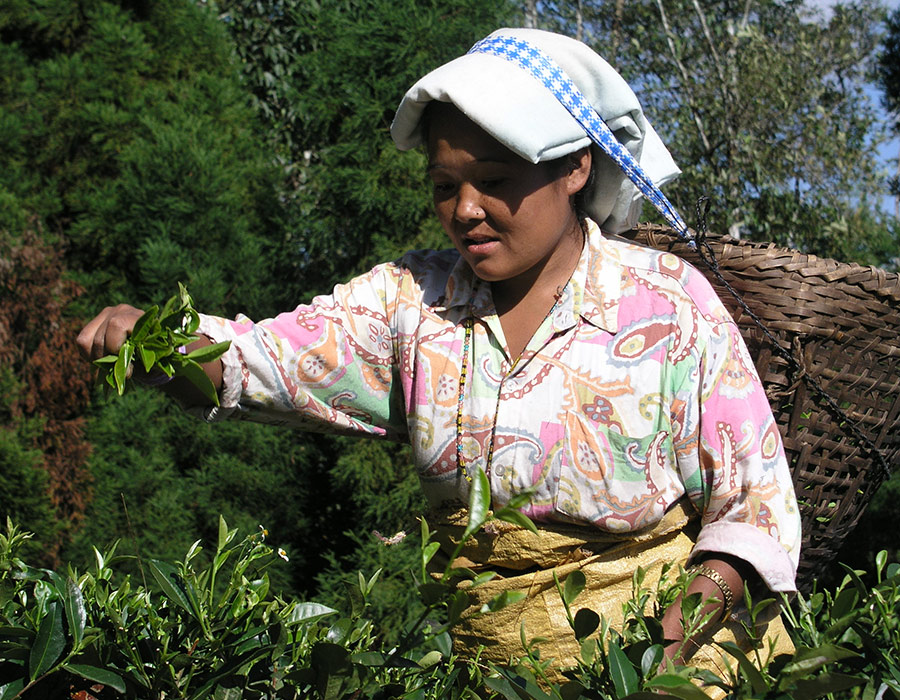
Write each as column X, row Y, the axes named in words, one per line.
column 525, row 562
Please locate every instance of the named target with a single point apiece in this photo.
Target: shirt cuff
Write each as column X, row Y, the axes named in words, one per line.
column 218, row 330
column 775, row 566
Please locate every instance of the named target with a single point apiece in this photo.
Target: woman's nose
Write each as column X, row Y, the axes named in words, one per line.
column 468, row 204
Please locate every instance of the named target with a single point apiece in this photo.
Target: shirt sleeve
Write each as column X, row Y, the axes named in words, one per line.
column 735, row 466
column 328, row 366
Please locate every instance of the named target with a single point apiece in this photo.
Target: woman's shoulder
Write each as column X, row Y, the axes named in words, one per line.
column 665, row 273
column 420, row 273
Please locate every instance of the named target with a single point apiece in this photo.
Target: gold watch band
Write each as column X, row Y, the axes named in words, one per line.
column 719, row 580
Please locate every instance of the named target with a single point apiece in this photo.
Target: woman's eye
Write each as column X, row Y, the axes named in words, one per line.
column 442, row 188
column 492, row 182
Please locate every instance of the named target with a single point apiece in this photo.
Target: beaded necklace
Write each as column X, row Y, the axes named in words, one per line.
column 463, row 375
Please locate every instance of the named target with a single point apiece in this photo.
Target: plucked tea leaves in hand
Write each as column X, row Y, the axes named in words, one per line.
column 157, row 341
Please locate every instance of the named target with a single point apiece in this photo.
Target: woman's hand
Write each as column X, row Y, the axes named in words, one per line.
column 734, row 572
column 107, row 332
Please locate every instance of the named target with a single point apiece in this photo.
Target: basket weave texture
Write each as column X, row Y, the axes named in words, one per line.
column 842, row 323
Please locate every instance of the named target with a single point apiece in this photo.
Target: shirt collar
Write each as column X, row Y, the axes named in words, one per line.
column 592, row 292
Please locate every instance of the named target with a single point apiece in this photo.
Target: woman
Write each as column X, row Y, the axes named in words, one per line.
column 605, row 378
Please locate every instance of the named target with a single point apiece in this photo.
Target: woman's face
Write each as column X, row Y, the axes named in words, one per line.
column 511, row 220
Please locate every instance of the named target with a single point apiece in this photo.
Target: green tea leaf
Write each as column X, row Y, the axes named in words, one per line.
column 370, row 584
column 483, row 578
column 624, row 677
column 826, row 684
column 98, row 675
column 120, row 370
column 516, row 517
column 430, row 659
column 433, row 592
column 479, row 503
column 586, row 623
column 49, row 642
column 12, row 690
column 677, row 686
column 502, row 600
column 76, row 616
column 651, row 659
column 197, row 376
column 208, row 353
column 573, row 587
column 308, row 613
column 170, row 581
column 756, row 679
column 144, row 325
column 223, row 534
column 521, row 499
column 806, row 661
column 148, row 357
column 522, row 687
column 428, row 552
column 459, row 601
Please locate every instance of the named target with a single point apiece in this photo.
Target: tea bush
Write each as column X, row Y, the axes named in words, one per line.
column 209, row 626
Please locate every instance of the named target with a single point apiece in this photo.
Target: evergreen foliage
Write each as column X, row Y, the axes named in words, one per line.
column 327, row 78
column 129, row 134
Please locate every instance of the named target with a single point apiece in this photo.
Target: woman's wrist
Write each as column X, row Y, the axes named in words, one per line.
column 725, row 589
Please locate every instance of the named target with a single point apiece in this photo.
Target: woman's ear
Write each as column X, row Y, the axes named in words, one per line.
column 579, row 170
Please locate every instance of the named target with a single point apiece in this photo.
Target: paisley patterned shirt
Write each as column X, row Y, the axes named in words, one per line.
column 636, row 390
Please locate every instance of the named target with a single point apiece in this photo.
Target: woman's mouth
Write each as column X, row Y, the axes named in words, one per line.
column 479, row 245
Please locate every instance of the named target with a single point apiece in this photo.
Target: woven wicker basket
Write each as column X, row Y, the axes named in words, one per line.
column 842, row 322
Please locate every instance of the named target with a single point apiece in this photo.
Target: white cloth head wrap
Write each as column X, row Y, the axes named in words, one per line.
column 522, row 114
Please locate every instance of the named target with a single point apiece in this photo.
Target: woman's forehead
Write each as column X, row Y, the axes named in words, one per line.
column 448, row 128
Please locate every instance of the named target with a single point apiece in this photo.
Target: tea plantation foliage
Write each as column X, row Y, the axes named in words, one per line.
column 209, row 626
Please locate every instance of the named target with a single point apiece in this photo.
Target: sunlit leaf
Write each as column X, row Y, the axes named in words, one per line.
column 574, row 585
column 502, row 600
column 170, row 581
column 479, row 503
column 76, row 615
column 516, row 517
column 208, row 353
column 624, row 677
column 757, row 682
column 144, row 325
column 308, row 612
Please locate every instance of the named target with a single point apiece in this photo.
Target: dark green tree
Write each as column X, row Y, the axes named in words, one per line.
column 327, row 78
column 889, row 81
column 127, row 130
column 129, row 138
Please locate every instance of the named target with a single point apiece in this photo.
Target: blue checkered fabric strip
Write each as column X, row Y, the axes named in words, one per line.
column 544, row 69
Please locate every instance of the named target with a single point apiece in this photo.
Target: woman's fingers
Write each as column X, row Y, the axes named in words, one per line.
column 105, row 334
